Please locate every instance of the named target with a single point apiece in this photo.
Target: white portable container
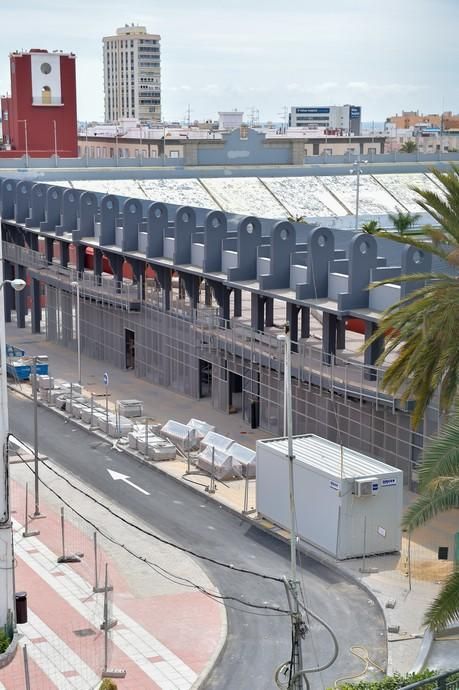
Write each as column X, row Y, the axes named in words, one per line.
column 347, row 503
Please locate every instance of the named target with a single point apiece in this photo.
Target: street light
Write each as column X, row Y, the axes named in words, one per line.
column 26, row 142
column 6, row 535
column 357, row 170
column 35, row 360
column 76, row 285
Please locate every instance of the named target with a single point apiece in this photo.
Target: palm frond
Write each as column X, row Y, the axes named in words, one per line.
column 444, row 610
column 430, row 504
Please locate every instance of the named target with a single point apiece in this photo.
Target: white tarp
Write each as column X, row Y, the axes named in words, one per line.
column 224, row 465
column 246, row 457
column 216, row 440
column 183, row 436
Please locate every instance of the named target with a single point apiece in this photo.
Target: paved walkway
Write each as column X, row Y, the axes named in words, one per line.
column 166, row 634
column 387, row 577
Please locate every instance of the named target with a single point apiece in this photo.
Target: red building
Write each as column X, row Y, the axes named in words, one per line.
column 39, row 119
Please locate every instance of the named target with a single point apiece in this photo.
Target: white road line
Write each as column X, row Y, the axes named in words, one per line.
column 73, row 588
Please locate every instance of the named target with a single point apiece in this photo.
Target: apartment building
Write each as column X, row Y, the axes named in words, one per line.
column 132, row 75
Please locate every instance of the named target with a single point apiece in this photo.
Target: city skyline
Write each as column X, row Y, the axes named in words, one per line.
column 221, row 59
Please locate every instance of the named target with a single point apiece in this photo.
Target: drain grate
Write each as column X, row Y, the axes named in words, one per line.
column 84, row 632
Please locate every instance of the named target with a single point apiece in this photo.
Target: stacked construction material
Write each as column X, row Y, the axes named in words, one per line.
column 181, row 435
column 130, row 408
column 202, row 428
column 247, row 459
column 219, row 463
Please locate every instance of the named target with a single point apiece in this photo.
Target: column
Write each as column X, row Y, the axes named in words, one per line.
column 32, row 241
column 8, row 273
column 237, row 301
column 372, row 352
column 257, row 320
column 80, row 251
column 97, row 264
column 51, row 312
column 64, row 253
column 292, row 311
column 269, row 304
column 21, row 299
column 49, row 249
column 341, row 334
column 36, row 305
column 305, row 322
column 328, row 337
column 207, row 295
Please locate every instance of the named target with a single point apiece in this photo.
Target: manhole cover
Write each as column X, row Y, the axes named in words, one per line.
column 84, row 632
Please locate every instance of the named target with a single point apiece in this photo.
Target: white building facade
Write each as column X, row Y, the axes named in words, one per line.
column 132, row 75
column 346, row 118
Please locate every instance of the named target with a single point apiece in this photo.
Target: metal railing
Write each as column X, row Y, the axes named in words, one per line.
column 444, row 681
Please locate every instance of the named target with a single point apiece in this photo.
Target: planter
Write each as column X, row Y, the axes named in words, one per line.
column 8, row 655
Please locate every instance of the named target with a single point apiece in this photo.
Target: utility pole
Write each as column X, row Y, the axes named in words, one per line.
column 284, row 115
column 294, row 667
column 188, row 116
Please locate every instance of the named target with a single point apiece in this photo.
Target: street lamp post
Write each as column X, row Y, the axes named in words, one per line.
column 76, row 285
column 35, row 360
column 357, row 170
column 7, row 603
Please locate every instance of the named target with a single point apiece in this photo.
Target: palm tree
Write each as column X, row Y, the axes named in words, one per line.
column 403, row 221
column 409, row 147
column 423, row 328
column 439, row 492
column 371, row 227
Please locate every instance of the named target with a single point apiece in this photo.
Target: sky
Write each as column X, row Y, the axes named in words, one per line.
column 263, row 54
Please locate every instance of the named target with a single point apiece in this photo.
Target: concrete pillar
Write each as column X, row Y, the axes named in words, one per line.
column 269, row 305
column 36, row 305
column 292, row 311
column 341, row 334
column 80, row 251
column 207, row 295
column 372, row 352
column 21, row 299
column 97, row 264
column 67, row 317
column 51, row 312
column 328, row 337
column 225, row 304
column 116, row 262
column 237, row 302
column 138, row 270
column 305, row 322
column 32, row 241
column 8, row 292
column 165, row 280
column 64, row 253
column 257, row 312
column 49, row 249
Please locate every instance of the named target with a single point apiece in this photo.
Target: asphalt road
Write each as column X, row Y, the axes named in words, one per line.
column 256, row 644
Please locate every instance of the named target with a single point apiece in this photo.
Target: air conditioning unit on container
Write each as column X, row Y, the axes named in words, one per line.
column 366, row 487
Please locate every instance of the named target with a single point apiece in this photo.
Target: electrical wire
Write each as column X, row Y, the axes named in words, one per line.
column 162, row 572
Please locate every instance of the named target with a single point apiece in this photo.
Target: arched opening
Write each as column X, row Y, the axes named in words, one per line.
column 46, row 95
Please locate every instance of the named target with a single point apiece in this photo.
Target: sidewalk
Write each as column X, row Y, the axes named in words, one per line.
column 166, row 633
column 386, row 577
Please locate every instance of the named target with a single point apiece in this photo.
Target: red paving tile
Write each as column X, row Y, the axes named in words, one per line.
column 173, row 619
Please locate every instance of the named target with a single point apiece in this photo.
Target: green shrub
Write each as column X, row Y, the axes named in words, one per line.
column 108, row 684
column 4, row 641
column 391, row 682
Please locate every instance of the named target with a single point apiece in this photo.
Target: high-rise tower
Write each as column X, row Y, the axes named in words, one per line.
column 132, row 75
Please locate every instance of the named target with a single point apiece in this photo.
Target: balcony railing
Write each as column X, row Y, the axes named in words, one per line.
column 444, row 681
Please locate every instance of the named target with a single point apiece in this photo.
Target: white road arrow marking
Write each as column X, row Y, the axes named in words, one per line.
column 124, row 477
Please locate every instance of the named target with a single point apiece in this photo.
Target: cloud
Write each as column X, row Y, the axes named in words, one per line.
column 394, row 88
